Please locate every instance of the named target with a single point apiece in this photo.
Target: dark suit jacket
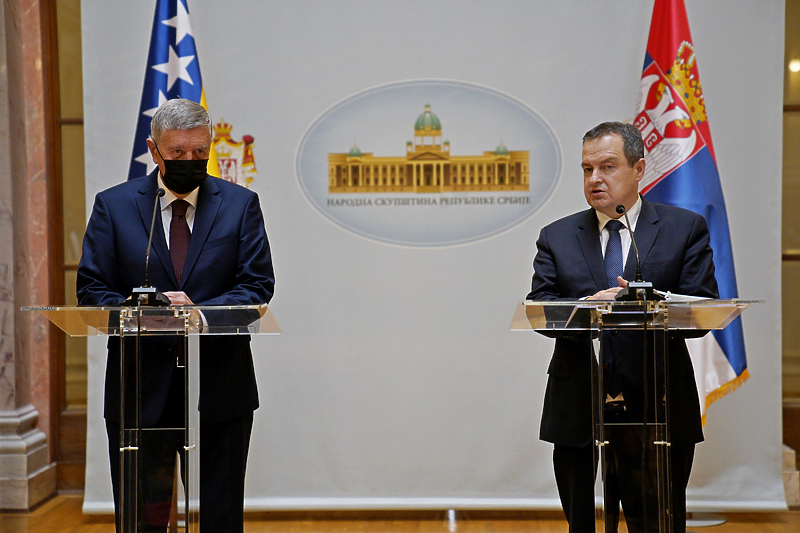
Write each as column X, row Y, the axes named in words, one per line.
column 675, row 256
column 228, row 263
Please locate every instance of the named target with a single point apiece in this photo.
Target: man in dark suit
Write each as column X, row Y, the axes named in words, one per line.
column 209, row 248
column 574, row 260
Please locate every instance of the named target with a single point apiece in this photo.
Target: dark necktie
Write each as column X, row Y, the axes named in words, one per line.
column 613, row 258
column 613, row 264
column 179, row 236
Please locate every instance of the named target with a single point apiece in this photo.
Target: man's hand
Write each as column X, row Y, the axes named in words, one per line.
column 178, row 298
column 610, row 294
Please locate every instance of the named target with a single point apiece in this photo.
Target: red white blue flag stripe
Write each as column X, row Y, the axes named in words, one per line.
column 682, row 170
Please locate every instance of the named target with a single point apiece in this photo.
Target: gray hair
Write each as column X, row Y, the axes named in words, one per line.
column 179, row 114
column 632, row 144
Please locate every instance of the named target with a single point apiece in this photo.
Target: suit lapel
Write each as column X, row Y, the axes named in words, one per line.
column 647, row 227
column 208, row 203
column 159, row 250
column 589, row 241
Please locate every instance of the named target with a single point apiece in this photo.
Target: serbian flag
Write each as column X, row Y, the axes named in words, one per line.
column 173, row 71
column 682, row 170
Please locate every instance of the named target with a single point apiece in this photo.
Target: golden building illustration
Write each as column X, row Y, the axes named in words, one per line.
column 428, row 167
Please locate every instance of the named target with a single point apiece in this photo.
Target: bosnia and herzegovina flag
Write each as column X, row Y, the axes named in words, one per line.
column 682, row 170
column 172, row 71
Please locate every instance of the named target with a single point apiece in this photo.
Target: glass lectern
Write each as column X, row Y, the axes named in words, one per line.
column 658, row 321
column 132, row 324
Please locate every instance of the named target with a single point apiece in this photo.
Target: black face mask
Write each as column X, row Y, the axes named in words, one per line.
column 182, row 176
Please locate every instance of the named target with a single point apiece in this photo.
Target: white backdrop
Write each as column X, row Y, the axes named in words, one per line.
column 397, row 383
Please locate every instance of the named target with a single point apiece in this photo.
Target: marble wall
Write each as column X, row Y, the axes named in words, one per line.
column 27, row 468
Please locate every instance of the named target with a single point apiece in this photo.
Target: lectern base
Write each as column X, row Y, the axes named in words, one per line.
column 704, row 520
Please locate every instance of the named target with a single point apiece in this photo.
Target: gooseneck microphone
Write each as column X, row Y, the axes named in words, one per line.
column 622, row 211
column 147, row 295
column 638, row 289
column 160, row 193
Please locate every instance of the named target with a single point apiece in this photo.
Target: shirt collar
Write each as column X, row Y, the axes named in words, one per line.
column 633, row 215
column 170, row 197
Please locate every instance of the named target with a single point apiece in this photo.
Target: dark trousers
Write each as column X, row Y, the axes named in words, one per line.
column 575, row 470
column 223, row 460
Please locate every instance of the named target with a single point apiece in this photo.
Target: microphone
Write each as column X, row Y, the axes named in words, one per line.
column 638, row 289
column 159, row 193
column 622, row 211
column 147, row 295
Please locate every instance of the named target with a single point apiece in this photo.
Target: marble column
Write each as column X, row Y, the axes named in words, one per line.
column 27, row 468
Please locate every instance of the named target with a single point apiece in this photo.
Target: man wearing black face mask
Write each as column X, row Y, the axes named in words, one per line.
column 209, row 248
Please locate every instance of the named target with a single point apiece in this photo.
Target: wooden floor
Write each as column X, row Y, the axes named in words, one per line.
column 63, row 514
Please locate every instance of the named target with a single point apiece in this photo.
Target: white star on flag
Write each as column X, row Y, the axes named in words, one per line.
column 146, row 159
column 175, row 68
column 152, row 111
column 179, row 62
column 181, row 24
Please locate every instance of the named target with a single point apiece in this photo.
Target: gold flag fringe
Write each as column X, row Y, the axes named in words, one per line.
column 724, row 391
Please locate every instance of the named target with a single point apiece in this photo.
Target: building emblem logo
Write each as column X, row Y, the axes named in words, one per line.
column 669, row 107
column 430, row 194
column 235, row 158
column 428, row 167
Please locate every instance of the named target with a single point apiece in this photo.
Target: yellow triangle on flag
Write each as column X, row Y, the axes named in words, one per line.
column 213, row 165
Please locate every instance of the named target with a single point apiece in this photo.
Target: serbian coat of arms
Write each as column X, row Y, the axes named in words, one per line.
column 235, row 158
column 669, row 110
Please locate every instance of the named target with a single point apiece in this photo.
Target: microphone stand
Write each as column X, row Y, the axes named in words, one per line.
column 642, row 291
column 146, row 295
column 638, row 289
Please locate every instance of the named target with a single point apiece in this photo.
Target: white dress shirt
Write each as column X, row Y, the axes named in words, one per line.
column 166, row 208
column 625, row 236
